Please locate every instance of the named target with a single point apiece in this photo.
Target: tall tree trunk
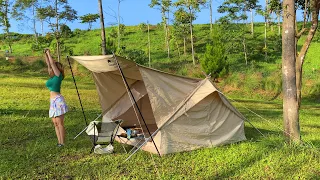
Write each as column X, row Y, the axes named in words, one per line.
column 42, row 30
column 290, row 107
column 265, row 31
column 167, row 34
column 279, row 25
column 103, row 35
column 149, row 46
column 119, row 24
column 245, row 50
column 315, row 5
column 305, row 13
column 34, row 23
column 272, row 27
column 308, row 13
column 41, row 21
column 191, row 37
column 251, row 14
column 7, row 25
column 184, row 47
column 57, row 31
column 177, row 44
column 165, row 28
column 211, row 16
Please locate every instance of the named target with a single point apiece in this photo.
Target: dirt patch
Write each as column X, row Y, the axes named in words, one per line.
column 29, row 59
column 71, row 157
column 228, row 89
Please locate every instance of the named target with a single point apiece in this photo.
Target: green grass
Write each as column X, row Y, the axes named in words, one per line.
column 28, row 140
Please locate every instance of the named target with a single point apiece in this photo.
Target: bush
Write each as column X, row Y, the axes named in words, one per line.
column 77, row 32
column 315, row 91
column 38, row 64
column 65, row 31
column 214, row 61
column 142, row 27
column 273, row 83
column 136, row 55
column 18, row 62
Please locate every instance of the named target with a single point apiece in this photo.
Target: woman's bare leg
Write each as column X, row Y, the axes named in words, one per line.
column 56, row 127
column 60, row 123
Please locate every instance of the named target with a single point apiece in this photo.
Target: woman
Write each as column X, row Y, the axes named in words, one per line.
column 58, row 106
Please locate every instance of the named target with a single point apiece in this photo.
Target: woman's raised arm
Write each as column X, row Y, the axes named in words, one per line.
column 52, row 63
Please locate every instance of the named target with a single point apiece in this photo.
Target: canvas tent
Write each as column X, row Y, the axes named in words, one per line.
column 183, row 113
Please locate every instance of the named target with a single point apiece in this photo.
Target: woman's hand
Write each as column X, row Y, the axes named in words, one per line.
column 47, row 50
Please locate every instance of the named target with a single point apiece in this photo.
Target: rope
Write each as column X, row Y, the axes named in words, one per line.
column 155, row 166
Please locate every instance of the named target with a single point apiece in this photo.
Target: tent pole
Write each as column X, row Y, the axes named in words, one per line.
column 135, row 102
column 74, row 81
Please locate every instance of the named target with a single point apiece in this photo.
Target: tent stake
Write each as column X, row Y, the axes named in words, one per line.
column 74, row 81
column 135, row 102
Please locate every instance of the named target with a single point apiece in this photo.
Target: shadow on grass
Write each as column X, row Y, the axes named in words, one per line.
column 258, row 101
column 253, row 133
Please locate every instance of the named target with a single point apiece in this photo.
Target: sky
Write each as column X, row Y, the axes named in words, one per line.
column 132, row 12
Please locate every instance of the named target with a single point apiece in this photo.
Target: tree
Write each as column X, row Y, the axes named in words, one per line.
column 276, row 7
column 4, row 20
column 192, row 7
column 250, row 6
column 89, row 18
column 315, row 6
column 149, row 45
column 267, row 16
column 214, row 61
column 290, row 108
column 142, row 27
column 181, row 29
column 103, row 34
column 210, row 5
column 236, row 12
column 60, row 11
column 146, row 28
column 165, row 10
column 19, row 11
column 119, row 25
column 65, row 31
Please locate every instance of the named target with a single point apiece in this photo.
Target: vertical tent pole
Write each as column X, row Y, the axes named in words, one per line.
column 135, row 102
column 74, row 81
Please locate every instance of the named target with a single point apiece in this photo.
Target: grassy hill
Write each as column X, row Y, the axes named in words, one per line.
column 27, row 137
column 260, row 75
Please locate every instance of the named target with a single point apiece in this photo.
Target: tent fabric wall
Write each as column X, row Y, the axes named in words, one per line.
column 191, row 113
column 209, row 123
column 166, row 92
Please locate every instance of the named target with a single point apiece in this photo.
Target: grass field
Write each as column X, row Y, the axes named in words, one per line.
column 28, row 143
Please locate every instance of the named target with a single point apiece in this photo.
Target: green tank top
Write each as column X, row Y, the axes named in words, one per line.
column 54, row 83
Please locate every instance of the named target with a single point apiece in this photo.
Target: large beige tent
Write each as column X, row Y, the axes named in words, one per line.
column 183, row 113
